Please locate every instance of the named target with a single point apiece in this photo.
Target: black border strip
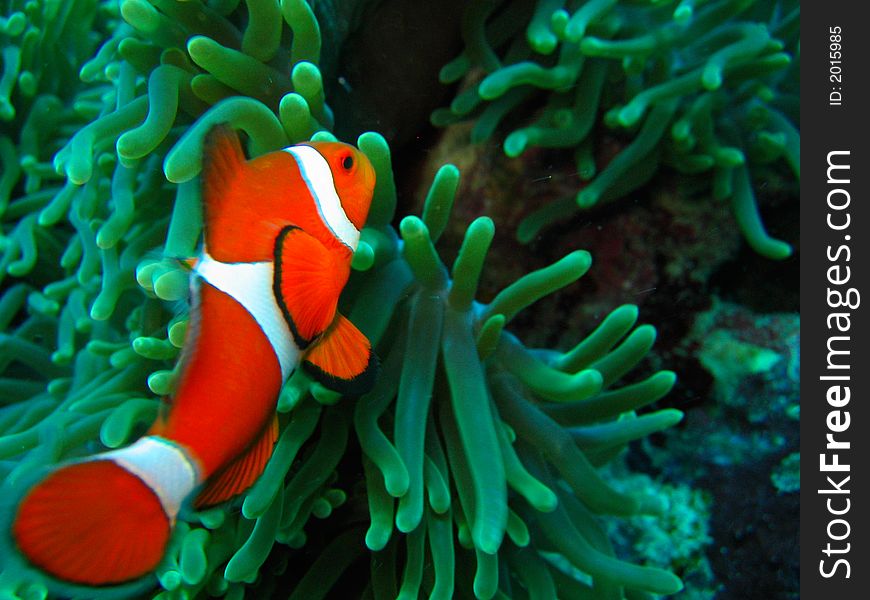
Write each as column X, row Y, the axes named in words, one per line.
column 835, row 350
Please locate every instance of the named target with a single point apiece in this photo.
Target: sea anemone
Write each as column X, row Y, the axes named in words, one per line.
column 468, row 436
column 705, row 88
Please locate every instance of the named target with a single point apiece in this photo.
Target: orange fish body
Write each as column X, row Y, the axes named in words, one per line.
column 280, row 232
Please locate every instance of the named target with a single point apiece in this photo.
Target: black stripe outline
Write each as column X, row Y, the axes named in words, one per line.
column 301, row 342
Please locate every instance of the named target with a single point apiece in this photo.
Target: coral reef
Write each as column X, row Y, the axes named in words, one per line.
column 668, row 252
column 707, row 89
column 743, row 442
column 678, row 541
column 468, row 437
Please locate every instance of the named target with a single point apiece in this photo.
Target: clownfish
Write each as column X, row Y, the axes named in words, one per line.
column 279, row 234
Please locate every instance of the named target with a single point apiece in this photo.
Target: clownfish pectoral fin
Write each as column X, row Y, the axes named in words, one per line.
column 308, row 281
column 92, row 523
column 222, row 159
column 342, row 360
column 240, row 474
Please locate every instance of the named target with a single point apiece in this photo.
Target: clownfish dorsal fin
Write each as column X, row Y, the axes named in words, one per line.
column 240, row 474
column 308, row 281
column 222, row 159
column 342, row 360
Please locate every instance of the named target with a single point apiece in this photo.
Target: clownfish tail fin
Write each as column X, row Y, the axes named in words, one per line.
column 106, row 520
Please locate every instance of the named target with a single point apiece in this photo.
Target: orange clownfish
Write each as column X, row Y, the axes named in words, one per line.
column 279, row 234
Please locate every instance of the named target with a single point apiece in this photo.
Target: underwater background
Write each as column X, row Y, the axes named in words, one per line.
column 589, row 337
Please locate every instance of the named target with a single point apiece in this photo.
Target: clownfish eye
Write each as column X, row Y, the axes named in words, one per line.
column 347, row 162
